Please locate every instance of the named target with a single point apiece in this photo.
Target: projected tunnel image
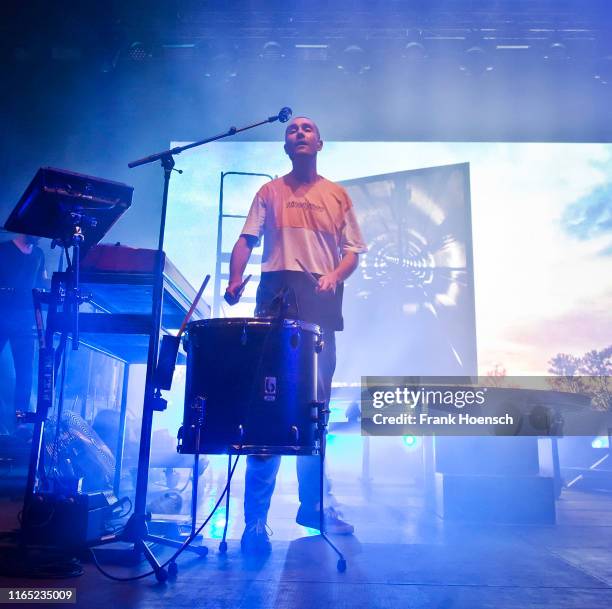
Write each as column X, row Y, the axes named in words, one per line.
column 416, row 280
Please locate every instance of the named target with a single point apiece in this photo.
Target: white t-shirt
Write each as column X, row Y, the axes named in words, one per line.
column 314, row 223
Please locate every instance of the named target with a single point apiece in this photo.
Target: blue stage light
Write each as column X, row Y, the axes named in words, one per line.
column 410, row 441
column 600, row 442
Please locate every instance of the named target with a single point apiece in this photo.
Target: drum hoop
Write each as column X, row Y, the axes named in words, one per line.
column 255, row 321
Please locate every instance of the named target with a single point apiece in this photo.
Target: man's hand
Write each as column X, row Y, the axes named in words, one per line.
column 232, row 290
column 327, row 283
column 238, row 261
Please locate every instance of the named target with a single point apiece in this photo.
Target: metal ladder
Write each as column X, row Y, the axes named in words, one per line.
column 224, row 256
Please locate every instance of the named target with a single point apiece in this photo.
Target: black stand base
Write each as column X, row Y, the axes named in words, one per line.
column 136, row 532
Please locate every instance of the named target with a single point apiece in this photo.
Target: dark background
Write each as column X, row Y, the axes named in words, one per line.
column 89, row 86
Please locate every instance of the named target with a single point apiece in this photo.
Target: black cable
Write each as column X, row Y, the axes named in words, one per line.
column 177, row 490
column 124, row 513
column 186, row 543
column 189, row 479
column 129, row 509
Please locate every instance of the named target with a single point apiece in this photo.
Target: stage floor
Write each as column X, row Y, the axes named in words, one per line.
column 401, row 555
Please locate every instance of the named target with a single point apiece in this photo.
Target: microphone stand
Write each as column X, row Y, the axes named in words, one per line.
column 281, row 116
column 136, row 530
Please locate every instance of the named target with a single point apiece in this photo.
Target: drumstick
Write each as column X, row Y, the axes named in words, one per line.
column 193, row 306
column 310, row 276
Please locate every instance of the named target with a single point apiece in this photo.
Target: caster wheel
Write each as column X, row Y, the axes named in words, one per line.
column 223, row 547
column 161, row 575
column 172, row 569
column 341, row 565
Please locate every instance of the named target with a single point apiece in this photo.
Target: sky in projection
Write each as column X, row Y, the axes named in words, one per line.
column 541, row 229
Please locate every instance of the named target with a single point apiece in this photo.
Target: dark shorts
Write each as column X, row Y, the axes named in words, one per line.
column 292, row 294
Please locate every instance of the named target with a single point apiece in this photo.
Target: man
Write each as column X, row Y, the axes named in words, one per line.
column 302, row 217
column 22, row 267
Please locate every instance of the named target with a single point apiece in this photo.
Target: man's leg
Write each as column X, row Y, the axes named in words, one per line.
column 259, row 484
column 308, row 468
column 260, row 477
column 260, row 481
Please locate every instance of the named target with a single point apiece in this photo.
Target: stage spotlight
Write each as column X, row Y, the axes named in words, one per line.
column 410, row 442
column 557, row 53
column 221, row 67
column 414, row 53
column 108, row 61
column 600, row 442
column 272, row 51
column 476, row 61
column 139, row 52
column 603, row 70
column 353, row 60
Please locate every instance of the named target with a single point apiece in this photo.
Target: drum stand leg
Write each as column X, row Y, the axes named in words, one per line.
column 322, row 413
column 194, row 492
column 223, row 544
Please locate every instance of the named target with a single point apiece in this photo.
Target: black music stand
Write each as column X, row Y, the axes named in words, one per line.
column 75, row 211
column 56, row 197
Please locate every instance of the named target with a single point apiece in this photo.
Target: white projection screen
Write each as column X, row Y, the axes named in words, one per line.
column 471, row 245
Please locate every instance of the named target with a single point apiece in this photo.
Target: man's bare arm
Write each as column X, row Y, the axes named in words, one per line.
column 349, row 262
column 238, row 261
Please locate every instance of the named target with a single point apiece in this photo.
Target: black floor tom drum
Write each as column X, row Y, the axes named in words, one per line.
column 250, row 387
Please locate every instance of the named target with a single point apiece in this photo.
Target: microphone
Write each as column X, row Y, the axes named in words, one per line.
column 283, row 116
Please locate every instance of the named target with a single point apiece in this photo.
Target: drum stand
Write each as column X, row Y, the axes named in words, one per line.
column 223, row 542
column 322, row 413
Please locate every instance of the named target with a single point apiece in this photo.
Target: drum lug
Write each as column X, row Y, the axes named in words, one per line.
column 199, row 405
column 319, row 345
column 295, row 434
column 294, row 341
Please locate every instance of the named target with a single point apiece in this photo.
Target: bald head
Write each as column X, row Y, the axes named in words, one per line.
column 302, row 139
column 300, row 119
